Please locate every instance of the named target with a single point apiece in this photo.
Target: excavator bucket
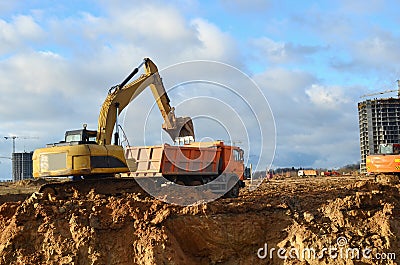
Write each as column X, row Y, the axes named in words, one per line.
column 183, row 127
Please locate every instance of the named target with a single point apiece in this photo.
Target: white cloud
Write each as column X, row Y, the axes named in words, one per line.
column 334, row 28
column 377, row 50
column 273, row 51
column 372, row 56
column 215, row 44
column 326, row 97
column 150, row 22
column 62, row 82
column 312, row 119
column 124, row 34
column 35, row 72
column 18, row 33
column 279, row 52
column 289, row 83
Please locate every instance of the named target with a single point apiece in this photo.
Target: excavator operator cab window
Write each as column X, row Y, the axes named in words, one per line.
column 73, row 138
column 389, row 149
column 80, row 136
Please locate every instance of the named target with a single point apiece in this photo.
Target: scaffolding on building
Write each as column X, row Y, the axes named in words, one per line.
column 379, row 123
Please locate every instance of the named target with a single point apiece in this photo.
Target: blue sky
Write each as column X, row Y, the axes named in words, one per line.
column 311, row 59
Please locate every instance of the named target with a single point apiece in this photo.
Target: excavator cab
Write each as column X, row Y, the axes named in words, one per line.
column 389, row 149
column 82, row 136
column 76, row 137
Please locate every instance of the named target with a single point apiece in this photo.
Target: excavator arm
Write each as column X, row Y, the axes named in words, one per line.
column 121, row 95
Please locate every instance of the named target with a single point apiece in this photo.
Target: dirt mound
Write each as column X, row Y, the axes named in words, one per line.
column 288, row 216
column 361, row 227
column 30, row 182
column 20, row 190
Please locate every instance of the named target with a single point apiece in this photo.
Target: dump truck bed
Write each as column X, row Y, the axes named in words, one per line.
column 167, row 160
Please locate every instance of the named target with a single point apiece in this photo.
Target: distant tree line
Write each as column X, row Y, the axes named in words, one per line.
column 283, row 170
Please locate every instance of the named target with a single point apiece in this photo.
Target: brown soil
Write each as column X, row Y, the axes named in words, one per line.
column 19, row 191
column 291, row 214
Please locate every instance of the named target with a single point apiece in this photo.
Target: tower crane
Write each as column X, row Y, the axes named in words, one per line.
column 5, row 157
column 15, row 175
column 384, row 92
column 17, row 137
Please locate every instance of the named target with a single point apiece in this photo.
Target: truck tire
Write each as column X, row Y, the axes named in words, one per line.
column 234, row 191
column 180, row 182
column 195, row 183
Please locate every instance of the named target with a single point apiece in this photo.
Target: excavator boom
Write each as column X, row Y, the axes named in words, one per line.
column 121, row 95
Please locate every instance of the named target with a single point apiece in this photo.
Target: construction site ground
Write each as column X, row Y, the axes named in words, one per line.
column 281, row 222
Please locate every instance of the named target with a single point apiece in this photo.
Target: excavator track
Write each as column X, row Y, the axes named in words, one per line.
column 141, row 186
column 105, row 186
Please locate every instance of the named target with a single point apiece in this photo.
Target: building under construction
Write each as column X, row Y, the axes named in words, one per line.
column 21, row 166
column 379, row 121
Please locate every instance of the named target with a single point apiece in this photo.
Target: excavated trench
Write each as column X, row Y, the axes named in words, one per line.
column 286, row 215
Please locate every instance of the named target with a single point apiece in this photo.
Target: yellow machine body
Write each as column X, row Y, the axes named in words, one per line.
column 79, row 160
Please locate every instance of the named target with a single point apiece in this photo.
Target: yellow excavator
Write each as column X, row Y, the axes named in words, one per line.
column 91, row 154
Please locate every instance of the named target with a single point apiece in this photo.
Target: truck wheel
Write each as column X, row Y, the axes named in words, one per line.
column 195, row 183
column 180, row 182
column 234, row 191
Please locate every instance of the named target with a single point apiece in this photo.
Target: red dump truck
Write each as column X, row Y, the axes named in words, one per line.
column 215, row 165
